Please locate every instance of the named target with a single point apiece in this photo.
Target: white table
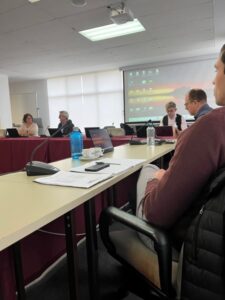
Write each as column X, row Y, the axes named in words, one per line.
column 28, row 206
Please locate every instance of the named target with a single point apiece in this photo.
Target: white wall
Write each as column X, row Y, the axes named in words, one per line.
column 34, row 91
column 5, row 111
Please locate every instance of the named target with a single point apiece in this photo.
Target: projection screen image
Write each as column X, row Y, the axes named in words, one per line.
column 147, row 90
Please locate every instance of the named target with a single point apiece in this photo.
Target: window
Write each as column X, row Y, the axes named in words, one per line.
column 92, row 99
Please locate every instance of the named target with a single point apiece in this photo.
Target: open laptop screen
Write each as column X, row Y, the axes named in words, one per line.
column 164, row 131
column 52, row 132
column 12, row 132
column 87, row 131
column 101, row 138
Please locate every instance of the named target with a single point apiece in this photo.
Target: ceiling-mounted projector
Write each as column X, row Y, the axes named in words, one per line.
column 119, row 13
column 79, row 3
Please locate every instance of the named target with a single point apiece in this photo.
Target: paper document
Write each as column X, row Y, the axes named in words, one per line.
column 72, row 179
column 116, row 166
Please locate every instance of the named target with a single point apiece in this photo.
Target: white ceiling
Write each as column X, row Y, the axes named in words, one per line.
column 41, row 40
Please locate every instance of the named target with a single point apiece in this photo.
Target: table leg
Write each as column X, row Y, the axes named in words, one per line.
column 111, row 192
column 72, row 256
column 21, row 294
column 91, row 245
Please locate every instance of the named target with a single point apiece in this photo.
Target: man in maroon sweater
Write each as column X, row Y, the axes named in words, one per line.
column 199, row 153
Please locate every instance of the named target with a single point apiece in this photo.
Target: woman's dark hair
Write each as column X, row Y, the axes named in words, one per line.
column 25, row 117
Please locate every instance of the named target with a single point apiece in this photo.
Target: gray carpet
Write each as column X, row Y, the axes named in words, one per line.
column 54, row 285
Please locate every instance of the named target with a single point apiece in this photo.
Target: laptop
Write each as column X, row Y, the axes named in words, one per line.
column 52, row 132
column 141, row 131
column 164, row 131
column 101, row 138
column 12, row 132
column 87, row 129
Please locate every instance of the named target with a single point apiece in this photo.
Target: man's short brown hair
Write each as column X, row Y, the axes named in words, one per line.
column 197, row 95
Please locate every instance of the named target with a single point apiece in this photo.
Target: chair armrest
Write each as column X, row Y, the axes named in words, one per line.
column 160, row 238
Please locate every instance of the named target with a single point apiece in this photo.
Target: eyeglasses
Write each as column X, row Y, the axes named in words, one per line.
column 186, row 104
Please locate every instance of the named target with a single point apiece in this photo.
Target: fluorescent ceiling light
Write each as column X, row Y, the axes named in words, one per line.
column 33, row 1
column 112, row 31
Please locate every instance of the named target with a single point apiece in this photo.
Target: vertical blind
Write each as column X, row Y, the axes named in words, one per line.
column 92, row 99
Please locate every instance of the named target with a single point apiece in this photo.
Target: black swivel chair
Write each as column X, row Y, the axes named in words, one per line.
column 202, row 277
column 128, row 129
column 126, row 246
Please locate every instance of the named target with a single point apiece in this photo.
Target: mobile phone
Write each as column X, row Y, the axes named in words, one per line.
column 97, row 167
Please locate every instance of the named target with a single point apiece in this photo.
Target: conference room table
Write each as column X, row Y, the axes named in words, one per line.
column 16, row 152
column 59, row 148
column 28, row 206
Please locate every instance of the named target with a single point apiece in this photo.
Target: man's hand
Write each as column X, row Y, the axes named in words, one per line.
column 159, row 174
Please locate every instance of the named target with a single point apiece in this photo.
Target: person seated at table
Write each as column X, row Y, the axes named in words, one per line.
column 196, row 103
column 165, row 197
column 66, row 124
column 28, row 128
column 173, row 119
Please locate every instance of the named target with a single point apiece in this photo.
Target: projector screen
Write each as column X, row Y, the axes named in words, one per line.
column 148, row 89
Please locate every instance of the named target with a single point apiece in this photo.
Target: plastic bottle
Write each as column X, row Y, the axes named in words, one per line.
column 76, row 144
column 150, row 133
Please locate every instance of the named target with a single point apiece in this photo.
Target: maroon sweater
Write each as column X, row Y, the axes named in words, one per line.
column 199, row 153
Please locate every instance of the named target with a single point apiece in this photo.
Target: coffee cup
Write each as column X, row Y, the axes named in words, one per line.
column 92, row 153
column 98, row 151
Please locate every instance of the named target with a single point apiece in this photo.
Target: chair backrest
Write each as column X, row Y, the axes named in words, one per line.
column 116, row 131
column 2, row 132
column 110, row 126
column 39, row 123
column 128, row 129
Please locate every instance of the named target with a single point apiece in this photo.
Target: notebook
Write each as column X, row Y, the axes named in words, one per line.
column 164, row 131
column 101, row 138
column 87, row 129
column 12, row 132
column 52, row 132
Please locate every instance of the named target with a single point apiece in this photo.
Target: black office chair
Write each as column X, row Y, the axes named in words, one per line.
column 126, row 246
column 128, row 129
column 203, row 273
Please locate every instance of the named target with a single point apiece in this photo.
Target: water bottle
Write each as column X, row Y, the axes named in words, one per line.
column 76, row 144
column 150, row 133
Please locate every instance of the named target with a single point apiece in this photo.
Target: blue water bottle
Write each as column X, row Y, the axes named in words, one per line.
column 76, row 144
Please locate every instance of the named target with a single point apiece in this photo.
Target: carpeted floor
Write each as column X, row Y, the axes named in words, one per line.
column 54, row 286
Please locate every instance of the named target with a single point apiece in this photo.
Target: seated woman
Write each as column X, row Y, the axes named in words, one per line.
column 28, row 128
